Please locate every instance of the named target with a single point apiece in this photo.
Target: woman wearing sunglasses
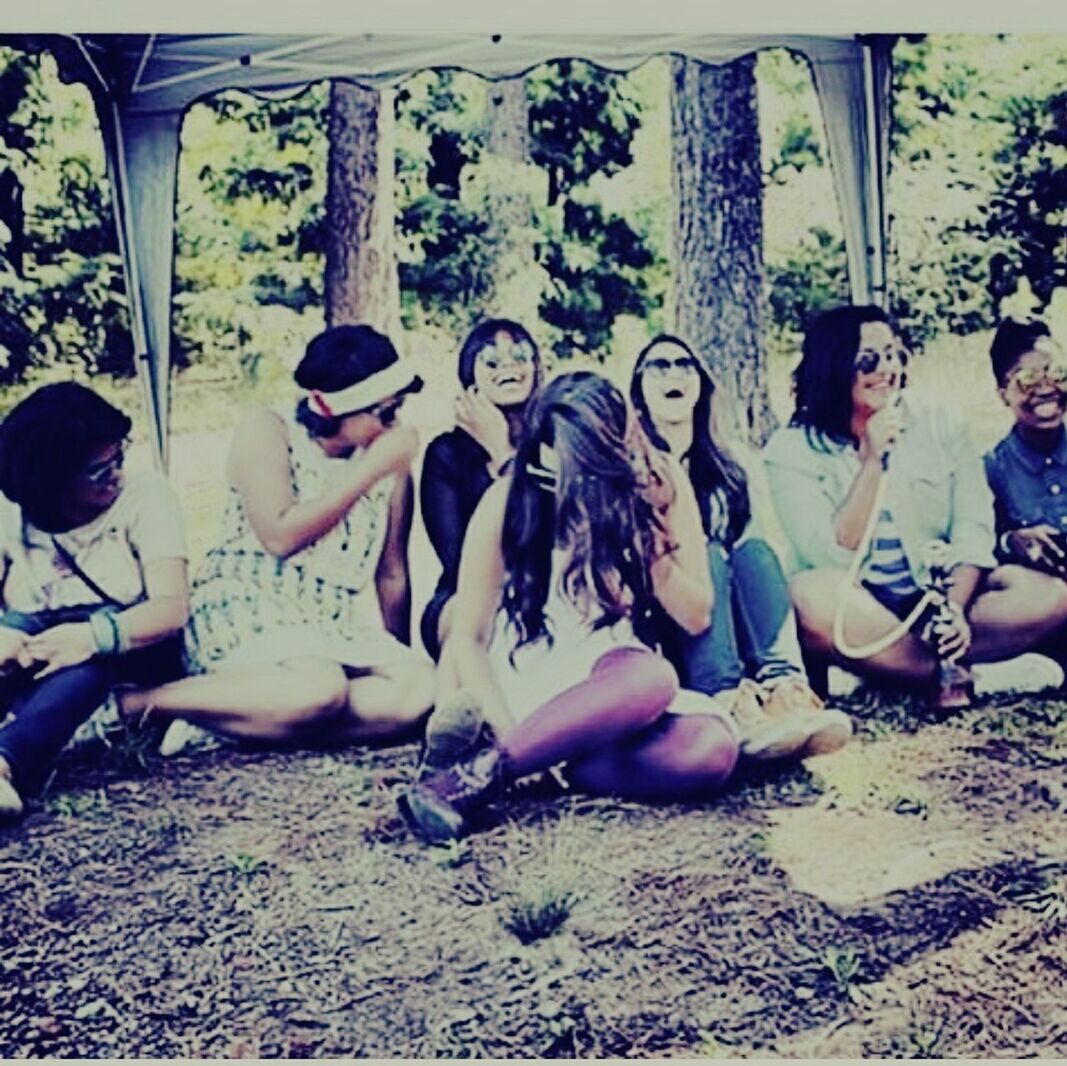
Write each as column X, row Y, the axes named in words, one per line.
column 499, row 368
column 564, row 564
column 94, row 583
column 1027, row 470
column 751, row 650
column 286, row 629
column 851, row 429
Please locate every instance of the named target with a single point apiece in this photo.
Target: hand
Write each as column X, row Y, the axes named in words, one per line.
column 485, row 422
column 1040, row 547
column 60, row 646
column 396, row 447
column 952, row 635
column 881, row 433
column 12, row 647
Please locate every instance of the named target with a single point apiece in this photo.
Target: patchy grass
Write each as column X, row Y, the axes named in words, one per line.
column 232, row 903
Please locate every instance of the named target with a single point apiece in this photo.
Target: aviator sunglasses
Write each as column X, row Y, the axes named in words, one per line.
column 867, row 361
column 1029, row 378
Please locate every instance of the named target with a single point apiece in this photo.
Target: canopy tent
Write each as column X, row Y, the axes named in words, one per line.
column 143, row 83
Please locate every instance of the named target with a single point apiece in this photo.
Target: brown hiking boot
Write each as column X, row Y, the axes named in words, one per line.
column 791, row 699
column 763, row 737
column 444, row 803
column 452, row 729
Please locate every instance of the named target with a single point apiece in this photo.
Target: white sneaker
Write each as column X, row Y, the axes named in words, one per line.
column 10, row 801
column 1025, row 673
column 840, row 682
column 184, row 736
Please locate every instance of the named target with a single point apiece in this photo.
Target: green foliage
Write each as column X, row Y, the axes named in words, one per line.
column 812, row 278
column 600, row 262
column 62, row 299
column 1029, row 205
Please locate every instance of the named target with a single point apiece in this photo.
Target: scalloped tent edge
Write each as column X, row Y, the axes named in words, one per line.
column 142, row 84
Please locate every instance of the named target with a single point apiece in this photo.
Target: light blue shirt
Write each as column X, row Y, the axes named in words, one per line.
column 936, row 490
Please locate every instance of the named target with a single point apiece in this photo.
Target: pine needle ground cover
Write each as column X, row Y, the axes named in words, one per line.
column 906, row 896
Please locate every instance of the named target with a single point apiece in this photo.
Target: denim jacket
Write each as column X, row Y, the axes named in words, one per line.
column 936, row 490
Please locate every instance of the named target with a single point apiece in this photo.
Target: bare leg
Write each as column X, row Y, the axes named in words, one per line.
column 815, row 595
column 676, row 758
column 269, row 703
column 389, row 701
column 1017, row 609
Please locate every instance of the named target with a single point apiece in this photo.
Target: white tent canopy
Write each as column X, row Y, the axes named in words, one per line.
column 143, row 83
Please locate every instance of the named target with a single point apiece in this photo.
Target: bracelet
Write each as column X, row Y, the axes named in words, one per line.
column 105, row 631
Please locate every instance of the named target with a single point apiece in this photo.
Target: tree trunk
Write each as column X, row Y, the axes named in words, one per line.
column 718, row 232
column 511, row 215
column 361, row 282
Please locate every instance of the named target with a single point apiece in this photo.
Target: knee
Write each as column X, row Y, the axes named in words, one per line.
column 647, row 676
column 320, row 693
column 1045, row 596
column 707, row 751
column 415, row 698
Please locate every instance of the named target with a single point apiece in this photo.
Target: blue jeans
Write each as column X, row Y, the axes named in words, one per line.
column 39, row 716
column 753, row 629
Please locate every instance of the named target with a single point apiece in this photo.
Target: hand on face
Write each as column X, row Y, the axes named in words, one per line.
column 881, row 432
column 485, row 422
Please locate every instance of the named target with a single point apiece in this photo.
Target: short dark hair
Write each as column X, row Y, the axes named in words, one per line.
column 45, row 441
column 1012, row 340
column 335, row 359
column 481, row 337
column 822, row 381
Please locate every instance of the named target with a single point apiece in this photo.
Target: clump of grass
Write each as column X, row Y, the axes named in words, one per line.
column 844, row 965
column 539, row 912
column 244, row 864
column 89, row 804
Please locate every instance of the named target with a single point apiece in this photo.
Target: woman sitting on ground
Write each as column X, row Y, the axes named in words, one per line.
column 499, row 369
column 590, row 533
column 94, row 583
column 852, row 430
column 1027, row 470
column 751, row 650
column 286, row 630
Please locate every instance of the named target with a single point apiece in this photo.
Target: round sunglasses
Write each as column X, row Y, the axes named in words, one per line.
column 1029, row 378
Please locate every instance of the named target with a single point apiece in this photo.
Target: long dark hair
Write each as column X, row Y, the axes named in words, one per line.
column 710, row 465
column 46, row 440
column 598, row 509
column 479, row 338
column 822, row 381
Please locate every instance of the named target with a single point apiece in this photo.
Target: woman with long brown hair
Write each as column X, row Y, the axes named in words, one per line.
column 563, row 568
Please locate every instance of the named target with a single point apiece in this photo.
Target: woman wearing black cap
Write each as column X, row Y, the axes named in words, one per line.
column 285, row 627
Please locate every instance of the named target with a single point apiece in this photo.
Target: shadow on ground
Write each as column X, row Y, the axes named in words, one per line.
column 906, row 896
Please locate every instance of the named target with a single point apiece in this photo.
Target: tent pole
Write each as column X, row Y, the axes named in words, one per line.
column 128, row 248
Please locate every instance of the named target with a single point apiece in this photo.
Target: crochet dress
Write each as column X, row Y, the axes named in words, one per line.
column 250, row 607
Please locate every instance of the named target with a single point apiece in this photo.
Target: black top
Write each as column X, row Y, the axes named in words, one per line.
column 455, row 476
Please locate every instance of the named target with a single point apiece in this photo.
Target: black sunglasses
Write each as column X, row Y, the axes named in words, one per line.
column 867, row 362
column 661, row 367
column 100, row 473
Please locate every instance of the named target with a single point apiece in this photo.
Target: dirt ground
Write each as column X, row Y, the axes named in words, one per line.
column 906, row 896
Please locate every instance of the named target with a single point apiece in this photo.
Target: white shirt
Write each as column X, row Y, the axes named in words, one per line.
column 143, row 525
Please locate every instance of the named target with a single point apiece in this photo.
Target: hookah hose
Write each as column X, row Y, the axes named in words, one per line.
column 874, row 647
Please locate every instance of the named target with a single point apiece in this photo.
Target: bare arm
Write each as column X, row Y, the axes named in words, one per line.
column 681, row 578
column 162, row 614
column 258, row 469
column 851, row 518
column 393, row 578
column 474, row 609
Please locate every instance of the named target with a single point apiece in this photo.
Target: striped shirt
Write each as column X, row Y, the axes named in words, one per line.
column 887, row 566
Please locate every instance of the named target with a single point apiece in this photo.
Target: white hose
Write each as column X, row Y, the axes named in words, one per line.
column 874, row 647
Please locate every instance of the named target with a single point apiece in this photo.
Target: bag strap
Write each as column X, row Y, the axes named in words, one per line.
column 72, row 563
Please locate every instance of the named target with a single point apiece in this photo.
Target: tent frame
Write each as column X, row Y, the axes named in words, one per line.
column 142, row 84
